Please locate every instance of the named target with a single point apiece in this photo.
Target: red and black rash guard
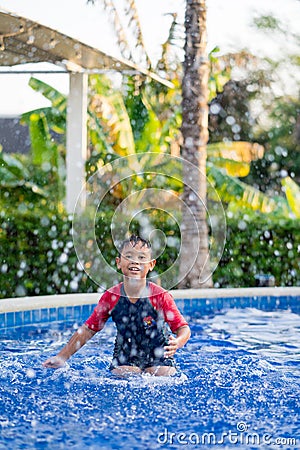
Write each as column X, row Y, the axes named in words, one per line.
column 141, row 326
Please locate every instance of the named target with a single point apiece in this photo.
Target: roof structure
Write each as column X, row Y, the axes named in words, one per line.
column 25, row 41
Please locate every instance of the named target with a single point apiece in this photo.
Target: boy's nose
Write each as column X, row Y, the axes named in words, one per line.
column 134, row 260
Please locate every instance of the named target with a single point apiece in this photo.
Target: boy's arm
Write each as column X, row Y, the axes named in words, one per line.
column 82, row 335
column 182, row 336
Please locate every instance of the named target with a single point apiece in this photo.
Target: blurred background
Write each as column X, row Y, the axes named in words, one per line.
column 253, row 149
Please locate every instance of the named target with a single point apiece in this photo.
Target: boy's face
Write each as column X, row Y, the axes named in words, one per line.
column 135, row 261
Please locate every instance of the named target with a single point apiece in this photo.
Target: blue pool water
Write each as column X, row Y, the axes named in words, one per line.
column 239, row 388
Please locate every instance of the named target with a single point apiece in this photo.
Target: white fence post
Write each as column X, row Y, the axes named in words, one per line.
column 76, row 139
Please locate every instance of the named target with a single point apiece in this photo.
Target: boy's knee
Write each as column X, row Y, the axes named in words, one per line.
column 161, row 371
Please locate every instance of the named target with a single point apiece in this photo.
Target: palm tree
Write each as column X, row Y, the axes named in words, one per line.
column 195, row 243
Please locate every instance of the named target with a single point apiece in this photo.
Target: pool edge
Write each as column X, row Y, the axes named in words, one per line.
column 63, row 300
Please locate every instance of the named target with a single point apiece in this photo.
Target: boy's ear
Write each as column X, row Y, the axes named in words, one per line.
column 118, row 262
column 152, row 264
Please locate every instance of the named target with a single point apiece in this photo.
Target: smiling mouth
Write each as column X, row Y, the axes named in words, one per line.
column 134, row 269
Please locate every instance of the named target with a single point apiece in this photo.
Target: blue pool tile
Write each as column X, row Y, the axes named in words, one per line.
column 52, row 314
column 19, row 318
column 61, row 313
column 45, row 315
column 27, row 317
column 10, row 319
column 191, row 308
column 36, row 316
column 2, row 320
column 77, row 313
column 86, row 311
column 69, row 313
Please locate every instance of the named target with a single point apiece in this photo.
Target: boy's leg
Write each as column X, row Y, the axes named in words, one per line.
column 125, row 370
column 161, row 371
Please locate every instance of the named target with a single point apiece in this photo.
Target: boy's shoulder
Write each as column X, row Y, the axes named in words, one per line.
column 111, row 293
column 156, row 290
column 114, row 290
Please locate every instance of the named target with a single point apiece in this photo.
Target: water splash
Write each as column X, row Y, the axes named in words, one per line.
column 240, row 375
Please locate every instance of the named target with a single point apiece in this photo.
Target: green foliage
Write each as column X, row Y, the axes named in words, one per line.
column 28, row 187
column 218, row 76
column 135, row 107
column 238, row 194
column 108, row 117
column 47, row 154
column 38, row 257
column 19, row 185
column 120, row 127
column 55, row 115
column 260, row 244
column 292, row 192
column 269, row 23
column 282, row 156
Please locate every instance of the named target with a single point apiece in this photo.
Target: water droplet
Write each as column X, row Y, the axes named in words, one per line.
column 31, row 373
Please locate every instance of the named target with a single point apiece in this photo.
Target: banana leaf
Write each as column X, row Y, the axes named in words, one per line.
column 57, row 99
column 14, row 174
column 111, row 118
column 240, row 151
column 292, row 192
column 233, row 168
column 233, row 190
column 54, row 115
column 150, row 138
column 12, row 167
column 56, row 120
column 43, row 150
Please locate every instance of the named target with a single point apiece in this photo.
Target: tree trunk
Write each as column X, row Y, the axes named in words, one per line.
column 194, row 259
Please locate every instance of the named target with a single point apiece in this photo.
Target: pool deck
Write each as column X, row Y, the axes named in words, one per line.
column 56, row 301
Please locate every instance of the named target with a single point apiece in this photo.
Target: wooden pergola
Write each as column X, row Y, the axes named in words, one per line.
column 24, row 41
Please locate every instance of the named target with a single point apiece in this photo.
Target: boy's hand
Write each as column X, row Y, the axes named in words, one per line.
column 54, row 363
column 171, row 348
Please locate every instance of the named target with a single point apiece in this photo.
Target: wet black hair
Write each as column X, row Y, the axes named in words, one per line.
column 134, row 240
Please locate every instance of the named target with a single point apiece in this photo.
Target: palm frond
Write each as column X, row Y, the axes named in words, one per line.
column 134, row 23
column 163, row 63
column 118, row 28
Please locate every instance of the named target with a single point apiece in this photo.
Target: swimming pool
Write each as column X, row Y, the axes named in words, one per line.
column 241, row 388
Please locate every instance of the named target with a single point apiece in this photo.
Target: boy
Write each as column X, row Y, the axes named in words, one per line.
column 140, row 310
